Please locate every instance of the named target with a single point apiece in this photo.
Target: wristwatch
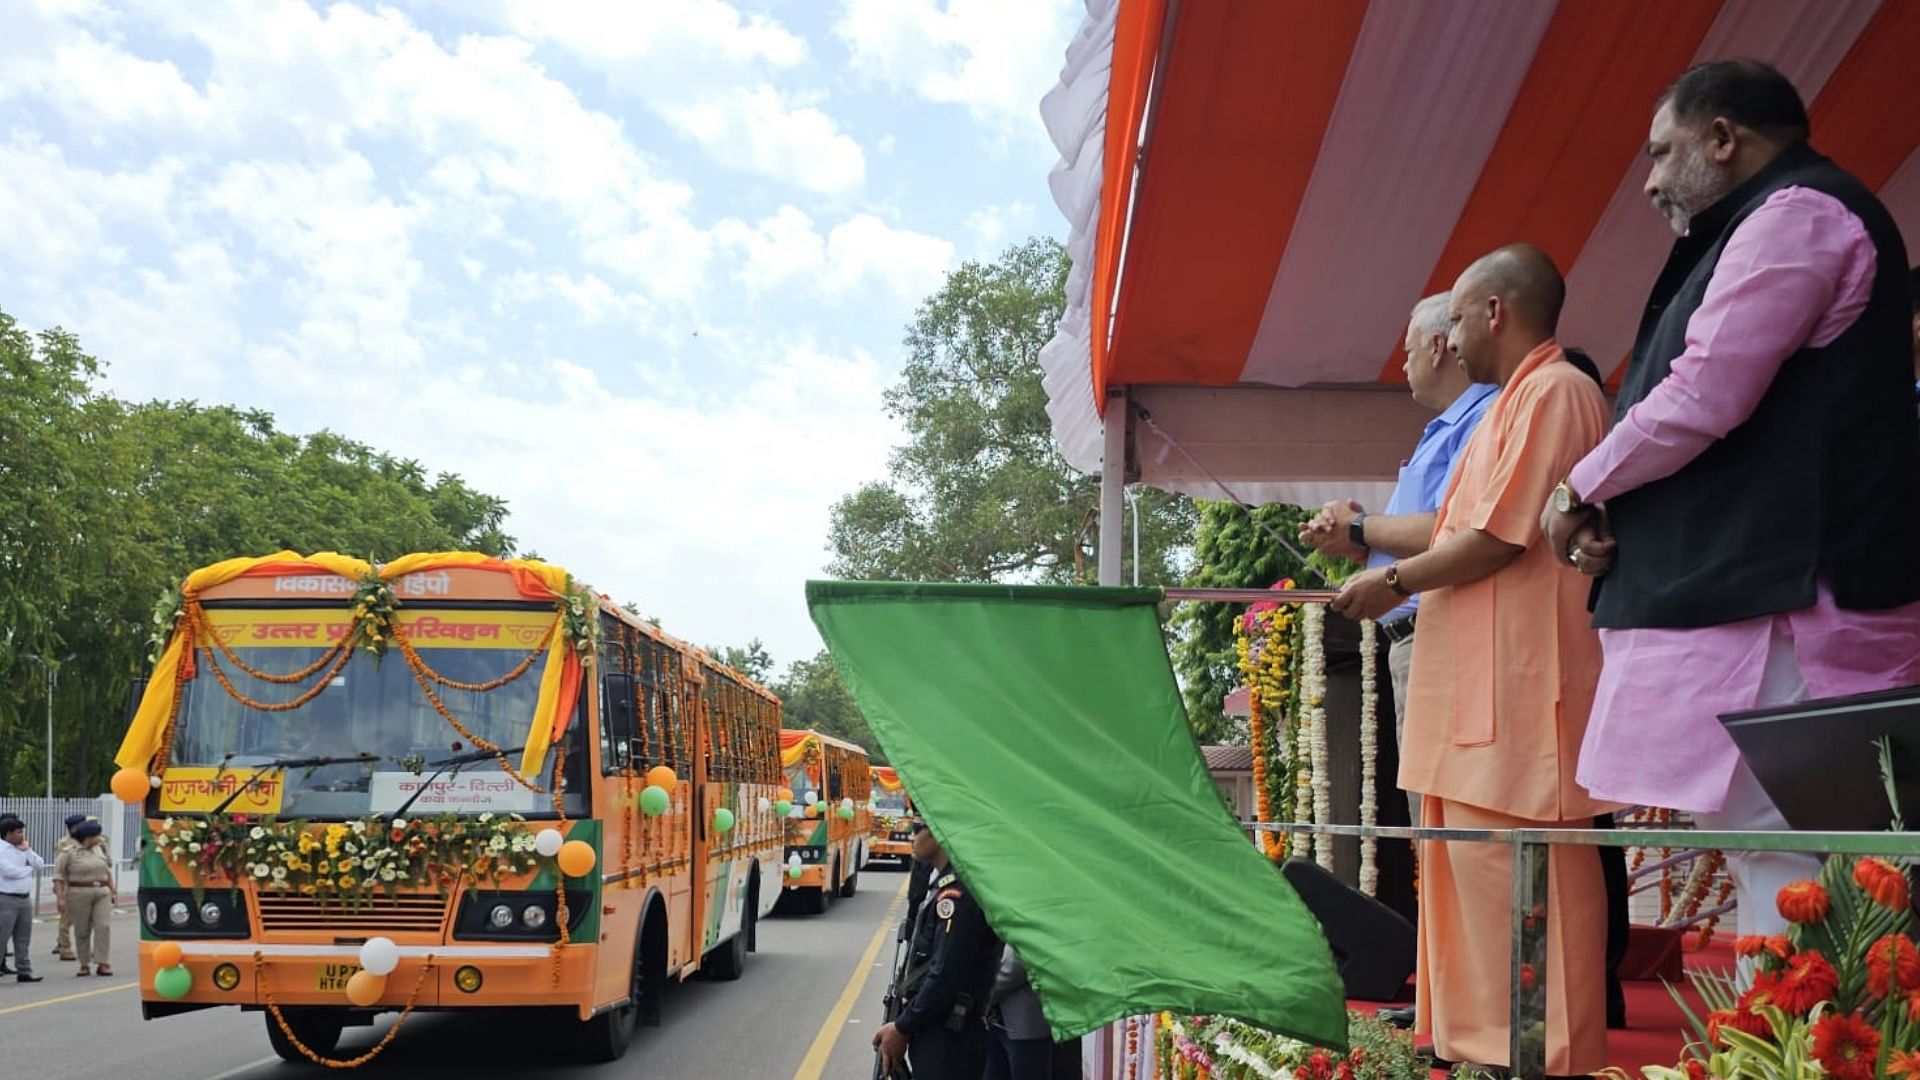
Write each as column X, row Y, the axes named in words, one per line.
column 1392, row 578
column 1357, row 530
column 1564, row 500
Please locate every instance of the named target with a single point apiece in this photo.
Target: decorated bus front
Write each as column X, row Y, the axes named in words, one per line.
column 829, row 783
column 892, row 836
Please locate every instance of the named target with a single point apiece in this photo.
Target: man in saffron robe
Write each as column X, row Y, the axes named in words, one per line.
column 1500, row 688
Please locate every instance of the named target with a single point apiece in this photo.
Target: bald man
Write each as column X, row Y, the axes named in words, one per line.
column 1502, row 681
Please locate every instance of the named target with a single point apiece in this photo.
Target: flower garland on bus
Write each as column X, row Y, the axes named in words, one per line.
column 1263, row 647
column 349, row 862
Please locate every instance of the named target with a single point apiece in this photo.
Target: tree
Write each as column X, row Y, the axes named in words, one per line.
column 1229, row 552
column 753, row 661
column 105, row 504
column 812, row 696
column 979, row 492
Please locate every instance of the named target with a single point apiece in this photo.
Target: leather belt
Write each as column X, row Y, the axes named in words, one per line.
column 87, row 884
column 1399, row 629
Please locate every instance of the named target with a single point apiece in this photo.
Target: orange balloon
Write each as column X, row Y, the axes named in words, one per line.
column 576, row 858
column 785, row 794
column 365, row 988
column 131, row 785
column 166, row 954
column 661, row 776
column 813, row 809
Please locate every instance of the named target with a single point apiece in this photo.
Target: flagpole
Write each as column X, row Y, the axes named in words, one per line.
column 1253, row 596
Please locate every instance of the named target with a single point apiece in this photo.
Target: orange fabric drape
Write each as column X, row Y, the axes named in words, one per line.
column 1136, row 42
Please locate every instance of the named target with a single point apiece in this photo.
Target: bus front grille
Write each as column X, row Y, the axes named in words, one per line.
column 368, row 914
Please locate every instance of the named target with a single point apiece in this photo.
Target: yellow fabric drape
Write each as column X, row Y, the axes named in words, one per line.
column 792, row 749
column 142, row 740
column 534, row 579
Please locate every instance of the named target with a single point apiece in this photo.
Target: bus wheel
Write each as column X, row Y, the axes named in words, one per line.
column 818, row 899
column 852, row 882
column 318, row 1030
column 729, row 961
column 753, row 913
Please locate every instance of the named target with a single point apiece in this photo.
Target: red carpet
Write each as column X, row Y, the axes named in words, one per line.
column 1656, row 1029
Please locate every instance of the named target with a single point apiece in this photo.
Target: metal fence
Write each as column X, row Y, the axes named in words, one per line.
column 1527, row 1019
column 46, row 824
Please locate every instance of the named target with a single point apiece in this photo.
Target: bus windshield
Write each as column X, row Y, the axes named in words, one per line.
column 374, row 707
column 801, row 782
column 889, row 802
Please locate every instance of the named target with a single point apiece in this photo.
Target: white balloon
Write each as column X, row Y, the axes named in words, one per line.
column 793, row 859
column 812, row 797
column 797, row 813
column 547, row 842
column 765, row 804
column 848, row 803
column 380, row 956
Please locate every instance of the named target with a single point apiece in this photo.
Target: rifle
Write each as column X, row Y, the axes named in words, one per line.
column 893, row 1003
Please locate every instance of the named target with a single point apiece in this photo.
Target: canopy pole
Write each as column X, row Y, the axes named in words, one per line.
column 1113, row 485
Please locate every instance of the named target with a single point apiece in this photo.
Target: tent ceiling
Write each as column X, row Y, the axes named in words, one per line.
column 1307, row 171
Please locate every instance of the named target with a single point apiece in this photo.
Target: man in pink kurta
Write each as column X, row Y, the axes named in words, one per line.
column 1765, row 453
column 1503, row 674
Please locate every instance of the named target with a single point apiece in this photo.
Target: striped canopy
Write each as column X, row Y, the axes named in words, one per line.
column 1259, row 190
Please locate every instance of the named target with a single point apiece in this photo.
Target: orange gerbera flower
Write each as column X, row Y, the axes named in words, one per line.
column 1780, row 945
column 1749, row 945
column 1893, row 965
column 1883, row 882
column 1846, row 1046
column 1804, row 902
column 1807, row 981
column 1904, row 1063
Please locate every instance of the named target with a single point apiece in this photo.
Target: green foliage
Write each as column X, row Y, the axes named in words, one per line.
column 753, row 661
column 979, row 492
column 1229, row 552
column 812, row 696
column 107, row 504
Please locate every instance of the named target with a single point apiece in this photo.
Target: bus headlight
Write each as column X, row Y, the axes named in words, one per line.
column 467, row 979
column 153, row 914
column 178, row 914
column 210, row 913
column 501, row 916
column 534, row 916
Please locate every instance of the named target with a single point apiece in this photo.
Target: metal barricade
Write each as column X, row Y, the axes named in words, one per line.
column 47, row 822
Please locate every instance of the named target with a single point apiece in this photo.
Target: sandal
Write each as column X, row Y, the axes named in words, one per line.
column 83, row 971
column 103, row 971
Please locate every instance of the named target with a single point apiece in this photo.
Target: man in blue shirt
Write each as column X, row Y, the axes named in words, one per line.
column 1405, row 527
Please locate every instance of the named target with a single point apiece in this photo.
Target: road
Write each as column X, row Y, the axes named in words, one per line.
column 805, row 1010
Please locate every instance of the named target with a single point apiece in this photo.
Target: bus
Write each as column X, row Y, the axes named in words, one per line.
column 830, row 784
column 448, row 782
column 892, row 837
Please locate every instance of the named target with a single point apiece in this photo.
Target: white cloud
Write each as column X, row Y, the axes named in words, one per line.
column 613, row 31
column 862, row 251
column 995, row 57
column 993, row 227
column 758, row 130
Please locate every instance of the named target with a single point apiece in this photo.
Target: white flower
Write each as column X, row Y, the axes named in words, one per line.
column 498, row 843
column 194, row 847
column 257, row 833
column 279, row 873
column 359, row 828
column 486, row 817
column 261, row 869
column 166, row 824
column 387, row 874
column 400, row 823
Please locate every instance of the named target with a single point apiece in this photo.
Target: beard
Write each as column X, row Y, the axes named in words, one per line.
column 1696, row 185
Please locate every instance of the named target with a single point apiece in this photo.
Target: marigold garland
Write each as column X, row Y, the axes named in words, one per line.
column 273, row 1009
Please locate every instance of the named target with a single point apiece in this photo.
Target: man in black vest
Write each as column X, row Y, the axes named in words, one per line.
column 941, row 1032
column 1746, row 518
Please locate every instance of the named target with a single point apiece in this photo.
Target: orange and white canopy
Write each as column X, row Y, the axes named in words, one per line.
column 1258, row 191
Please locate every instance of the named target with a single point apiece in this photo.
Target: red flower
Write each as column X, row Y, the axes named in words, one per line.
column 1903, row 1063
column 1780, row 946
column 1695, row 1069
column 1913, row 1008
column 1808, row 980
column 1883, row 882
column 1741, row 1019
column 1893, row 964
column 1803, row 902
column 1749, row 945
column 1846, row 1046
column 1528, row 980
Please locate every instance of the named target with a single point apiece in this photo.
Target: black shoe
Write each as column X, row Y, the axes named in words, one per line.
column 28, row 978
column 1400, row 1018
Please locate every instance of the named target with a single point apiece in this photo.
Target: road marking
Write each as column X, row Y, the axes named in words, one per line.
column 248, row 1067
column 815, row 1063
column 69, row 997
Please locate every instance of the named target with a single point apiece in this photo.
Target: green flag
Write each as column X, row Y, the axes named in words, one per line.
column 1040, row 731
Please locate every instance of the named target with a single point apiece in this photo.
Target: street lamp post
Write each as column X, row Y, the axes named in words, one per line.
column 51, row 671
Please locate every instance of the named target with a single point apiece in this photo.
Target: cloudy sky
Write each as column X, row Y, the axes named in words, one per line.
column 641, row 267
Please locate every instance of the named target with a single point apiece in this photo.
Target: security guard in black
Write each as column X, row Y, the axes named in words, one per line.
column 949, row 975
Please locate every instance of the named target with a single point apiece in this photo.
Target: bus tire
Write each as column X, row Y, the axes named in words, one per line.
column 852, row 882
column 752, row 917
column 729, row 961
column 318, row 1029
column 817, row 900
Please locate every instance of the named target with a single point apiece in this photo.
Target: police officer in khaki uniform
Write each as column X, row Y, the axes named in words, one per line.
column 942, row 1032
column 63, row 940
column 83, row 886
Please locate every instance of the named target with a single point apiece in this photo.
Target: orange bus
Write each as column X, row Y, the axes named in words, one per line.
column 448, row 782
column 892, row 815
column 827, row 825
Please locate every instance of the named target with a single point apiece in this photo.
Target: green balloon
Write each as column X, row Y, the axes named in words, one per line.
column 783, row 808
column 847, row 812
column 723, row 820
column 654, row 800
column 792, row 872
column 174, row 982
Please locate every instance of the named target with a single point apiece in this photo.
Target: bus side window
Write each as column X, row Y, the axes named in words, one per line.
column 616, row 656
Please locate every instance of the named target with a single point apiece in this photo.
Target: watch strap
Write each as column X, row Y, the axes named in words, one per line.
column 1357, row 530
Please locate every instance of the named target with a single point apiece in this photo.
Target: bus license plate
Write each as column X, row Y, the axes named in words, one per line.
column 333, row 977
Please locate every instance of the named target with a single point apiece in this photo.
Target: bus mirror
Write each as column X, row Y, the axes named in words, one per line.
column 617, row 692
column 134, row 693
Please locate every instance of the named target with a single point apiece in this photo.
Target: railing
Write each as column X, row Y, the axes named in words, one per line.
column 46, row 824
column 1527, row 1015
